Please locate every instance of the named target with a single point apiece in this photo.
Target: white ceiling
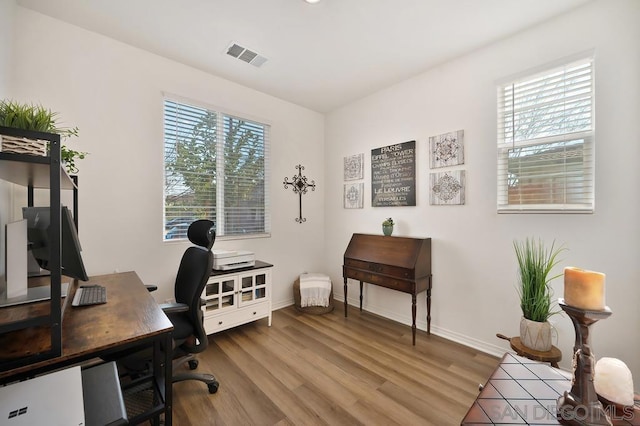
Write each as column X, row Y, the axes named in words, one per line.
column 320, row 56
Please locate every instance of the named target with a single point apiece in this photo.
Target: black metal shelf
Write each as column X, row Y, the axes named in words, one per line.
column 45, row 172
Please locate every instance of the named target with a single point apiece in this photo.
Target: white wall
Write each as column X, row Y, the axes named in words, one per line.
column 6, row 31
column 474, row 265
column 114, row 93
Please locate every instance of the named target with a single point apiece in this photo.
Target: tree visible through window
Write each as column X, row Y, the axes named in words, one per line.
column 215, row 168
column 545, row 141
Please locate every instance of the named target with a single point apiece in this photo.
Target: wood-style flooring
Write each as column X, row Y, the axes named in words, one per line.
column 330, row 370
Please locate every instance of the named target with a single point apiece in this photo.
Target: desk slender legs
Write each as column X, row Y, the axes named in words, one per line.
column 162, row 372
column 168, row 379
column 345, row 297
column 413, row 317
column 429, row 307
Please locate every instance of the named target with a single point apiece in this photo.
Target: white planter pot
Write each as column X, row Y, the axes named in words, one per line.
column 535, row 335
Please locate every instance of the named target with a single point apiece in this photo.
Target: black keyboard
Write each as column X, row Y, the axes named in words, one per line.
column 90, row 295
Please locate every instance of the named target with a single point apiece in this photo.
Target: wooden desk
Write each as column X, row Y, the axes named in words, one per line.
column 398, row 263
column 523, row 391
column 131, row 318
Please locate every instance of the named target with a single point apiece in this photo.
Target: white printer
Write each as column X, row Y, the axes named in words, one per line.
column 224, row 260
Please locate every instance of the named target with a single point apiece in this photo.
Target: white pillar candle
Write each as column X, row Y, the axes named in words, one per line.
column 584, row 289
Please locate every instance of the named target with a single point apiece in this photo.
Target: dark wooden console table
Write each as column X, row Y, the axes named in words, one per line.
column 398, row 263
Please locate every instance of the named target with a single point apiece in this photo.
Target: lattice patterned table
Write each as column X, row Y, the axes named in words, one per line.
column 523, row 391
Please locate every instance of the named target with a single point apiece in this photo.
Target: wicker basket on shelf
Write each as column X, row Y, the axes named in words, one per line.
column 315, row 310
column 23, row 145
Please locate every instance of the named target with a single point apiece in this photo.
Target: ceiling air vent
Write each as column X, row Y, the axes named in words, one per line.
column 246, row 55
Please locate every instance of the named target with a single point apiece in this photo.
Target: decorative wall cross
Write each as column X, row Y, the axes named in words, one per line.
column 300, row 185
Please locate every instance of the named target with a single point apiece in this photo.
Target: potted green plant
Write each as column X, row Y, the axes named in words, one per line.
column 535, row 264
column 37, row 118
column 387, row 226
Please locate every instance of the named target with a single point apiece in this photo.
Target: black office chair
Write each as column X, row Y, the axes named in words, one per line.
column 185, row 314
column 189, row 336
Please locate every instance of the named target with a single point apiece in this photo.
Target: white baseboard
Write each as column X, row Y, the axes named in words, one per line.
column 282, row 304
column 471, row 342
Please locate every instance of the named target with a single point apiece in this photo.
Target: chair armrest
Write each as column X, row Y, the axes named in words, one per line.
column 151, row 287
column 172, row 308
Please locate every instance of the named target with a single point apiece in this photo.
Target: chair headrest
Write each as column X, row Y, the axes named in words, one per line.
column 202, row 232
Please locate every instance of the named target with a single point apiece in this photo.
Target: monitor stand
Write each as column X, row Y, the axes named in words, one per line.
column 33, row 268
column 19, row 267
column 34, row 294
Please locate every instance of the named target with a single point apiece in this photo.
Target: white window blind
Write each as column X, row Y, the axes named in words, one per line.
column 546, row 141
column 216, row 166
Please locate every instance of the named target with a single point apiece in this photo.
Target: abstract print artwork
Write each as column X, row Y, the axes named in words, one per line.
column 447, row 188
column 447, row 149
column 354, row 167
column 354, row 196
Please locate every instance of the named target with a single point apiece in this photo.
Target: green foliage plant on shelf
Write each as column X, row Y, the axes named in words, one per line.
column 68, row 158
column 40, row 119
column 535, row 264
column 387, row 222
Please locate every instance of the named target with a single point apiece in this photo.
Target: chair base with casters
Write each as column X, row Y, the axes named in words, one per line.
column 138, row 363
column 184, row 338
column 192, row 362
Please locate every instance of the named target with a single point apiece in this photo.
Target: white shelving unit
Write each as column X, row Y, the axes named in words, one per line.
column 237, row 297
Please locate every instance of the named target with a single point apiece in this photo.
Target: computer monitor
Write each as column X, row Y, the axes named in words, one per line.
column 38, row 223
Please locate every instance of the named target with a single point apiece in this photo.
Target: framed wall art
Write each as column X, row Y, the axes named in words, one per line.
column 393, row 175
column 447, row 188
column 354, row 195
column 446, row 149
column 354, row 167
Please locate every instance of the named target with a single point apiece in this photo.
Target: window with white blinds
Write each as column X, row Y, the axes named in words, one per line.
column 216, row 166
column 546, row 141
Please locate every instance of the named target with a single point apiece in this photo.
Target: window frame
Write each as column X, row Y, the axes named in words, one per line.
column 221, row 114
column 566, row 141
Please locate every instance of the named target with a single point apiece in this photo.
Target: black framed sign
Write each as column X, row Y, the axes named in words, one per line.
column 393, row 175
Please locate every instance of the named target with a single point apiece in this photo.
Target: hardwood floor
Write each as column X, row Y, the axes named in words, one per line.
column 331, row 370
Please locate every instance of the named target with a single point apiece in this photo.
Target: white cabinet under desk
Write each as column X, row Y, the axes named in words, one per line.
column 236, row 297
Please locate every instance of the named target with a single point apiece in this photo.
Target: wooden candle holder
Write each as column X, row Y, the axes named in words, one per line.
column 580, row 406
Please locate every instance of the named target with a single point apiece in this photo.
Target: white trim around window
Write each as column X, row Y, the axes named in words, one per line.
column 216, row 166
column 546, row 140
